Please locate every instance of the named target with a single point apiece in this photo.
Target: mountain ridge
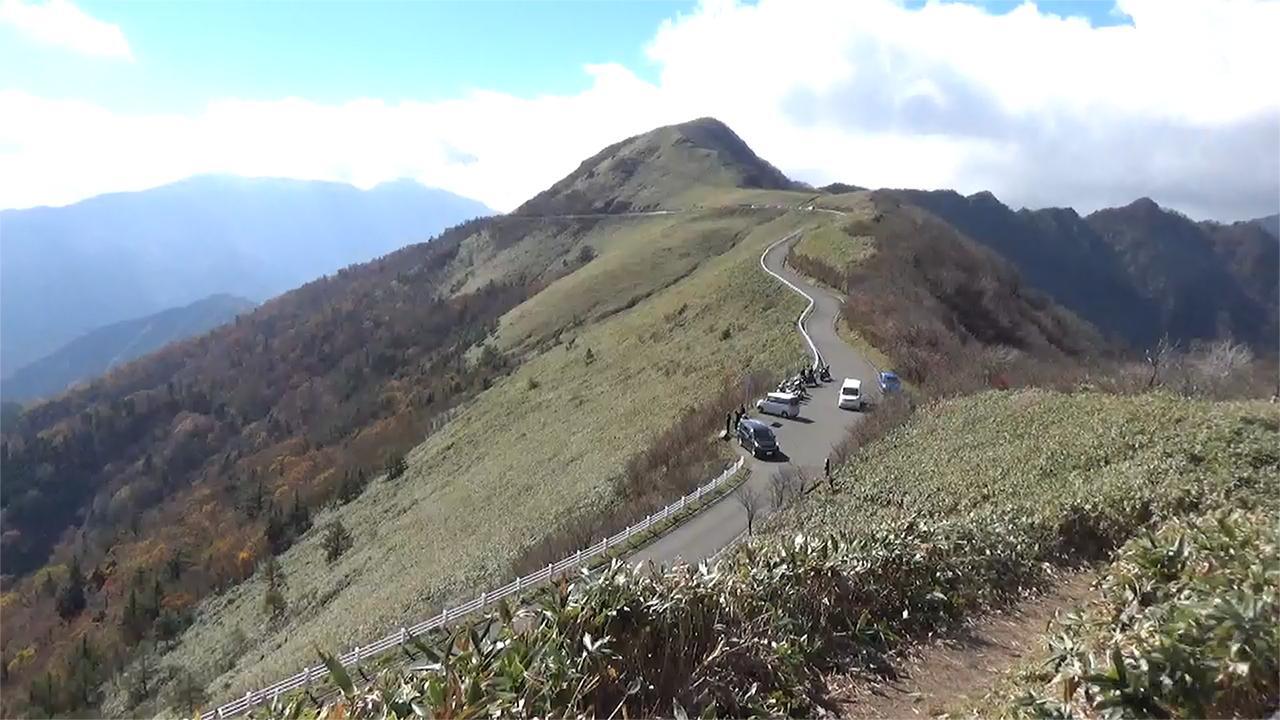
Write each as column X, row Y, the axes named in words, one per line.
column 1138, row 271
column 625, row 176
column 67, row 270
column 101, row 349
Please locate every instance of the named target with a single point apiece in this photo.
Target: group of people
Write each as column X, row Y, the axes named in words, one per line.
column 811, row 375
column 732, row 419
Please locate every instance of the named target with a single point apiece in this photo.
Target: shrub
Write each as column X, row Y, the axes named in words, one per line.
column 396, row 466
column 1188, row 626
column 586, row 254
column 337, row 540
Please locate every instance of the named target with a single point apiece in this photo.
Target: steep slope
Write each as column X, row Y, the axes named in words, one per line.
column 1138, row 272
column 666, row 168
column 1177, row 264
column 950, row 314
column 1056, row 252
column 67, row 270
column 96, row 352
column 187, row 469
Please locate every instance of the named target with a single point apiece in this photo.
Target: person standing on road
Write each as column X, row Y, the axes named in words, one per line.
column 728, row 425
column 826, row 469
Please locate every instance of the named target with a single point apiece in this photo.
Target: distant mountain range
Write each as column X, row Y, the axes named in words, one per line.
column 98, row 351
column 65, row 271
column 1137, row 272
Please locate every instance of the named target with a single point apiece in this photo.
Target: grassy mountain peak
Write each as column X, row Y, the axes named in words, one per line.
column 663, row 168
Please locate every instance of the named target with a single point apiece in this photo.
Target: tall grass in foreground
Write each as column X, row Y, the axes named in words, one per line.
column 1186, row 624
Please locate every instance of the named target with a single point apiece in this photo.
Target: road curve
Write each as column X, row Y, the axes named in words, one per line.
column 807, row 441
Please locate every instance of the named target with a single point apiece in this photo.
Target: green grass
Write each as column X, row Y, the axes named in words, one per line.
column 1182, row 624
column 524, row 456
column 1049, row 456
column 834, row 246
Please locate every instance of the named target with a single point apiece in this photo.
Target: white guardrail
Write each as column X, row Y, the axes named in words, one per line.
column 485, row 599
column 817, row 356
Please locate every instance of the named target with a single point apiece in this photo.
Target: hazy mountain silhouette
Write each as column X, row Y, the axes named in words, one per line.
column 67, row 270
column 100, row 350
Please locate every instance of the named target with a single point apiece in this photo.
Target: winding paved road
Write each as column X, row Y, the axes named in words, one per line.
column 807, row 440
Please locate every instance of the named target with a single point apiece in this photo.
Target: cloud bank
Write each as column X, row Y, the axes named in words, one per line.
column 1180, row 106
column 58, row 23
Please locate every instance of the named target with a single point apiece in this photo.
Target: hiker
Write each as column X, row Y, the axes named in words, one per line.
column 826, row 469
column 728, row 425
column 737, row 417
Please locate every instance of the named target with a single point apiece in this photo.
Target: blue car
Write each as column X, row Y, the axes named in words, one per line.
column 889, row 383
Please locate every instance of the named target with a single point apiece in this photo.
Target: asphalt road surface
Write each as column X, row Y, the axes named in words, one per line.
column 805, row 441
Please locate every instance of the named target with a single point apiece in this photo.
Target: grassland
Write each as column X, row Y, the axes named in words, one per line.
column 834, row 246
column 1090, row 466
column 539, row 446
column 971, row 504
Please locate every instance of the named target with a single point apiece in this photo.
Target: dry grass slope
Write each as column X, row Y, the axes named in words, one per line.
column 539, row 446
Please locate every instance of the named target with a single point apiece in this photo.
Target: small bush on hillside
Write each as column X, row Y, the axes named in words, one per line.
column 337, row 540
column 186, row 693
column 726, row 333
column 586, row 254
column 396, row 466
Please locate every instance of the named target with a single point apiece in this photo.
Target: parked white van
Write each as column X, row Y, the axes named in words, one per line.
column 775, row 403
column 850, row 397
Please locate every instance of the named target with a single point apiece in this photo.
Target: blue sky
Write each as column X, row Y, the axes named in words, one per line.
column 1082, row 103
column 187, row 53
column 190, row 52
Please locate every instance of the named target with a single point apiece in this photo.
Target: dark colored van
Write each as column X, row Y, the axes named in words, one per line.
column 757, row 437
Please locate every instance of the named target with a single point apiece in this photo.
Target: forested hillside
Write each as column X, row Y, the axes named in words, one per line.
column 95, row 352
column 1138, row 272
column 948, row 312
column 174, row 475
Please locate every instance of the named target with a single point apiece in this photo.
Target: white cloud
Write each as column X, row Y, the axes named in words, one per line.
column 1181, row 106
column 59, row 23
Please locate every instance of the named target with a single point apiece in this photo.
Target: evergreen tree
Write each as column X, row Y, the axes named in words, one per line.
column 337, row 540
column 299, row 517
column 273, row 601
column 71, row 598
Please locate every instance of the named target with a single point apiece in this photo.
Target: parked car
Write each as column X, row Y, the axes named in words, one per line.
column 779, row 403
column 850, row 397
column 889, row 383
column 758, row 438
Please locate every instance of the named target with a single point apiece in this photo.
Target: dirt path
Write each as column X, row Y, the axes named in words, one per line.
column 962, row 667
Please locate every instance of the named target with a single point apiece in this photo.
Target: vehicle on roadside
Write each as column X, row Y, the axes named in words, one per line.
column 889, row 382
column 850, row 397
column 780, row 403
column 757, row 438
